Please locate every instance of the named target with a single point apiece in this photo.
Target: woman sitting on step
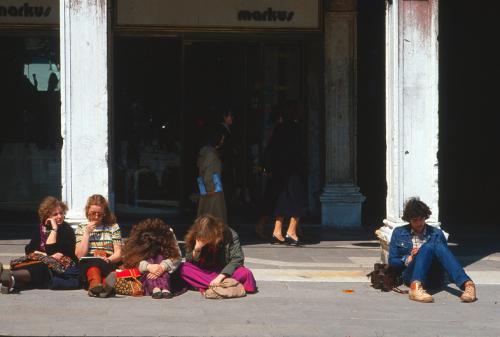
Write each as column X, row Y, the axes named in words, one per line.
column 50, row 260
column 153, row 249
column 213, row 252
column 98, row 246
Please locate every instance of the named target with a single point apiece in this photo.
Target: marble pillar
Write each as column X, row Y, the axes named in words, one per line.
column 412, row 106
column 341, row 200
column 84, row 27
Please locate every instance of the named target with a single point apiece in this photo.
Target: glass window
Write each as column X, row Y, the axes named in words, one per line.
column 30, row 127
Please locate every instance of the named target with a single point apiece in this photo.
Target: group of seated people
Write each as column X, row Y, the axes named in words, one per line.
column 93, row 256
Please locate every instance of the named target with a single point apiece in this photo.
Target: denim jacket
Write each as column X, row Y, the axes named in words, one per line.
column 401, row 243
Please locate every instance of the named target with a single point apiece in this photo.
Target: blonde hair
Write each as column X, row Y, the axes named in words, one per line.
column 98, row 200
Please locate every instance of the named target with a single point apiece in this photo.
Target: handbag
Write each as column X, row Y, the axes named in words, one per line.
column 385, row 277
column 57, row 266
column 228, row 288
column 128, row 283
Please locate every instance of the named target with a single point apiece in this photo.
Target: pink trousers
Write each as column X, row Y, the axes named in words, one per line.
column 200, row 278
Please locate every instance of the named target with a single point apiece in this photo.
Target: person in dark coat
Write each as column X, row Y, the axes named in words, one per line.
column 228, row 154
column 53, row 238
column 287, row 167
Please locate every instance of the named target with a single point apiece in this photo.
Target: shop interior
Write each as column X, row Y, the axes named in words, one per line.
column 169, row 90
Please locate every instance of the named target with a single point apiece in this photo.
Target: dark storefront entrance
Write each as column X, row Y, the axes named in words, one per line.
column 30, row 141
column 167, row 90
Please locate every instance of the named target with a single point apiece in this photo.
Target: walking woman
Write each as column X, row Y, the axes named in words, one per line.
column 210, row 172
column 287, row 167
column 153, row 249
column 213, row 252
column 98, row 246
column 50, row 260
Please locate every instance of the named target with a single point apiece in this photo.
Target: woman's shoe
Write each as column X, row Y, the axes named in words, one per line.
column 95, row 290
column 157, row 295
column 167, row 294
column 292, row 242
column 276, row 241
column 108, row 289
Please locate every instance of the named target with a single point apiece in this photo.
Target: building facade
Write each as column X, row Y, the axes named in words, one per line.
column 136, row 81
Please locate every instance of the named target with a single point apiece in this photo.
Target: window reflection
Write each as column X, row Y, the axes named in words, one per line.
column 30, row 132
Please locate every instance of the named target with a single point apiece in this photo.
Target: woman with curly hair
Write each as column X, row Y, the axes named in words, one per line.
column 99, row 237
column 213, row 252
column 52, row 244
column 152, row 248
column 421, row 252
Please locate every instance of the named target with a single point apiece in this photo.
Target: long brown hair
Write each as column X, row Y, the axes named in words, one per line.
column 207, row 228
column 147, row 239
column 48, row 205
column 98, row 200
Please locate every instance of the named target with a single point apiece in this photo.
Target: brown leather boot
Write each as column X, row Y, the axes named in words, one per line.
column 469, row 294
column 94, row 281
column 418, row 293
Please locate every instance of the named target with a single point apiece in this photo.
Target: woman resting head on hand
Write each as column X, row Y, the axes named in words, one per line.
column 213, row 252
column 152, row 248
column 53, row 238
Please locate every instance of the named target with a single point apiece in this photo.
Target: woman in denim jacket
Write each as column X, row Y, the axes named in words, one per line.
column 422, row 253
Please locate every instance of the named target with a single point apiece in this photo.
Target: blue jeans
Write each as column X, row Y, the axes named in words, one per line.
column 424, row 265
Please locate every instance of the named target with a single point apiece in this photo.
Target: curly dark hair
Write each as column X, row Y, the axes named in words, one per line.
column 147, row 239
column 208, row 228
column 99, row 200
column 48, row 205
column 414, row 208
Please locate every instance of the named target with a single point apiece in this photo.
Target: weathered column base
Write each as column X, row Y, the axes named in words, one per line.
column 341, row 206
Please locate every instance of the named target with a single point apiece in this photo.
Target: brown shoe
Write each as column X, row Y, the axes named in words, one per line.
column 469, row 294
column 418, row 293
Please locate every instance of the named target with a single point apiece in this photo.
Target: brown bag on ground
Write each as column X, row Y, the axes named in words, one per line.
column 228, row 288
column 385, row 277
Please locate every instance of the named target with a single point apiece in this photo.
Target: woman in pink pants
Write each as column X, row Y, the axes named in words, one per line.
column 213, row 252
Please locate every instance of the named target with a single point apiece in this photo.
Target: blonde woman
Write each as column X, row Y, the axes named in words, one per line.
column 98, row 246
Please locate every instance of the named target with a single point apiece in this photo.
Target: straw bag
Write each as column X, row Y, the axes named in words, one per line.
column 228, row 288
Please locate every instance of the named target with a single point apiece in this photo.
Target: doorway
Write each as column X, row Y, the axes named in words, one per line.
column 168, row 90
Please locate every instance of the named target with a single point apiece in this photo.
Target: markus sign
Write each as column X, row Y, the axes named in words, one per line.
column 22, row 12
column 267, row 15
column 206, row 15
column 25, row 10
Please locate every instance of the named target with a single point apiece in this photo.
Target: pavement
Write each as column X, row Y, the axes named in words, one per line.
column 320, row 289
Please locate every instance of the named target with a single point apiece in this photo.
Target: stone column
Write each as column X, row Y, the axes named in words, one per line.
column 412, row 105
column 84, row 26
column 341, row 200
